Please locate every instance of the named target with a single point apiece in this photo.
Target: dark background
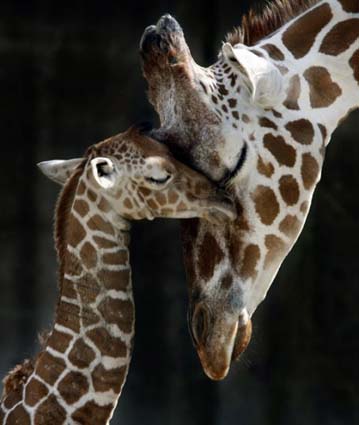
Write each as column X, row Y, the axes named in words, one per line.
column 69, row 77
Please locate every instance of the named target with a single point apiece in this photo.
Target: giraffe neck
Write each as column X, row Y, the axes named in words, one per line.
column 79, row 375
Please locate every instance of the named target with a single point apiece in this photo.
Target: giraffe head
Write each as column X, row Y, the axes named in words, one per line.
column 257, row 121
column 137, row 178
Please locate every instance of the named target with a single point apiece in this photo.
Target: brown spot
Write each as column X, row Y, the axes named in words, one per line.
column 49, row 368
column 68, row 289
column 309, row 170
column 104, row 205
column 276, row 113
column 304, row 207
column 119, row 312
column 81, row 354
column 323, row 130
column 161, row 198
column 68, row 315
column 214, row 99
column 104, row 243
column 88, row 255
column 323, row 90
column 98, row 223
column 245, row 118
column 265, row 168
column 273, row 51
column 88, row 289
column 354, row 63
column 210, row 254
column 189, row 233
column 144, row 191
column 18, row 416
column 284, row 153
column 81, row 188
column 59, row 341
column 222, row 90
column 275, row 249
column 172, row 197
column 35, row 391
column 340, row 37
column 301, row 130
column 92, row 414
column 351, row 6
column 128, row 203
column 235, row 115
column 282, row 69
column 81, row 207
column 266, row 204
column 50, row 412
column 232, row 102
column 293, row 93
column 289, row 189
column 290, row 225
column 105, row 380
column 265, row 122
column 106, row 343
column 116, row 258
column 117, row 280
column 224, row 108
column 250, row 260
column 73, row 386
column 152, row 204
column 13, row 397
column 301, row 34
column 77, row 233
column 91, row 195
column 226, row 281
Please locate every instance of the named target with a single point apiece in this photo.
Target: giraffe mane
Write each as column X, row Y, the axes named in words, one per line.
column 257, row 25
column 63, row 208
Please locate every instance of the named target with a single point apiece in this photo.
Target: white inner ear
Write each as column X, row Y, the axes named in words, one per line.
column 104, row 172
column 265, row 80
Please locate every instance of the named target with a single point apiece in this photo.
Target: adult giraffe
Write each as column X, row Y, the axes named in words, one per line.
column 78, row 376
column 256, row 121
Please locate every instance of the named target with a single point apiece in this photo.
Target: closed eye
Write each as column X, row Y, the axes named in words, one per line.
column 158, row 180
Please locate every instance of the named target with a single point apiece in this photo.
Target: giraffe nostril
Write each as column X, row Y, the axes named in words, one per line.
column 200, row 324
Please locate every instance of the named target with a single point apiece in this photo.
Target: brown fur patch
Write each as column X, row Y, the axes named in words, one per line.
column 128, row 203
column 68, row 289
column 77, row 233
column 88, row 289
column 265, row 168
column 304, row 207
column 256, row 26
column 290, row 225
column 68, row 315
column 104, row 205
column 119, row 312
column 88, row 255
column 266, row 204
column 117, row 280
column 16, row 378
column 81, row 207
column 18, row 416
column 301, row 130
column 35, row 391
column 116, row 258
column 59, row 341
column 301, row 34
column 275, row 248
column 209, row 255
column 73, row 386
column 251, row 257
column 105, row 380
column 92, row 414
column 351, row 6
column 284, row 153
column 81, row 354
column 50, row 412
column 226, row 281
column 354, row 63
column 323, row 90
column 340, row 37
column 96, row 222
column 265, row 122
column 49, row 368
column 273, row 52
column 189, row 233
column 293, row 93
column 309, row 170
column 289, row 189
column 104, row 243
column 106, row 343
column 173, row 197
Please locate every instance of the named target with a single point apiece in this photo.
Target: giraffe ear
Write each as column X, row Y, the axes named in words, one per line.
column 262, row 78
column 103, row 171
column 59, row 170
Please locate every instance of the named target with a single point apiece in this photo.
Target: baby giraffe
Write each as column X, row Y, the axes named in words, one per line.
column 78, row 376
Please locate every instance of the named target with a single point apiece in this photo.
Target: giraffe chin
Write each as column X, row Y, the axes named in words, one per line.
column 217, row 362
